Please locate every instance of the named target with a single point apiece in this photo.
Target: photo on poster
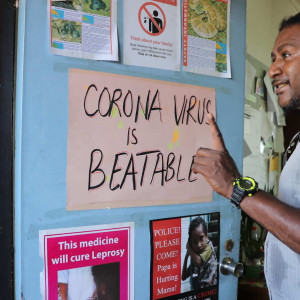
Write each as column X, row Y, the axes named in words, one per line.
column 99, row 7
column 66, row 31
column 68, row 4
column 90, row 283
column 206, row 37
column 91, row 263
column 184, row 257
column 84, row 28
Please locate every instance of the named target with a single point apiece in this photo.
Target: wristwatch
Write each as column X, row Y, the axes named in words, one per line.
column 242, row 187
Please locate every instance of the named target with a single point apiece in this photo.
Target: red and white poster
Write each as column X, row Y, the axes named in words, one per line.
column 185, row 255
column 88, row 262
column 152, row 33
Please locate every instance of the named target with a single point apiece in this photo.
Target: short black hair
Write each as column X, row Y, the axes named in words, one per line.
column 197, row 222
column 290, row 21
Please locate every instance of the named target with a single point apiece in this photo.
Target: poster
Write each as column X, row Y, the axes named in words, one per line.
column 185, row 255
column 152, row 35
column 76, row 260
column 84, row 28
column 206, row 37
column 132, row 141
column 259, row 87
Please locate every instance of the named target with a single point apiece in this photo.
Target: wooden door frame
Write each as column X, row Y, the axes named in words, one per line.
column 7, row 50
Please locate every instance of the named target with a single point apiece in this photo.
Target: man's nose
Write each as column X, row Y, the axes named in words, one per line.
column 275, row 69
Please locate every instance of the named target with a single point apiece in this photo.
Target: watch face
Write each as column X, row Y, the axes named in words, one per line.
column 245, row 184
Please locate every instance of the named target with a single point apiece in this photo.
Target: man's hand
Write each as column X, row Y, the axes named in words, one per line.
column 216, row 165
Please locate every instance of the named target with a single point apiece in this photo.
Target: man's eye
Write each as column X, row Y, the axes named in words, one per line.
column 285, row 54
column 273, row 58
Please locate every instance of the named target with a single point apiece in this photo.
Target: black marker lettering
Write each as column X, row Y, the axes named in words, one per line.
column 128, row 133
column 132, row 173
column 145, row 162
column 207, row 107
column 161, row 170
column 135, row 138
column 114, row 100
column 156, row 96
column 170, row 161
column 100, row 99
column 115, row 170
column 137, row 109
column 192, row 103
column 182, row 112
column 190, row 172
column 178, row 169
column 130, row 103
column 96, row 170
column 201, row 118
column 84, row 103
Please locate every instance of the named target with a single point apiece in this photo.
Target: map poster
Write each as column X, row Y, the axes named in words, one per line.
column 184, row 257
column 206, row 37
column 90, row 262
column 152, row 35
column 84, row 28
column 132, row 141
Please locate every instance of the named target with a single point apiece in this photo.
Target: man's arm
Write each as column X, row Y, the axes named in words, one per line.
column 282, row 220
column 219, row 169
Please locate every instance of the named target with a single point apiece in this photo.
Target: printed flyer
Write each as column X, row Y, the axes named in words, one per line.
column 184, row 257
column 84, row 28
column 89, row 261
column 152, row 36
column 132, row 141
column 206, row 37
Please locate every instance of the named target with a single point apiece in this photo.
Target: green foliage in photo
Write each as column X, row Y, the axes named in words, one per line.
column 66, row 31
column 97, row 7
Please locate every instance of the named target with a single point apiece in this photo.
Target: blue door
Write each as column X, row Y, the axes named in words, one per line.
column 41, row 135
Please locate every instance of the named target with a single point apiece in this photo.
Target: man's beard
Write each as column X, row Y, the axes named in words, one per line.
column 293, row 105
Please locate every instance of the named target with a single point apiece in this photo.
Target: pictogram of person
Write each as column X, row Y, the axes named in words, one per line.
column 154, row 27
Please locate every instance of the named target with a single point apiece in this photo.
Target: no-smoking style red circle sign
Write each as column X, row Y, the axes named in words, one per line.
column 152, row 18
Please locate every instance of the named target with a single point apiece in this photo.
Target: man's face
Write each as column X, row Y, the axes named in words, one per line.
column 285, row 69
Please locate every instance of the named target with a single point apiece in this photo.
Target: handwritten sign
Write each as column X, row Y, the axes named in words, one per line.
column 132, row 141
column 88, row 254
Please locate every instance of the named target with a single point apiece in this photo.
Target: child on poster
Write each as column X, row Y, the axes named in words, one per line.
column 203, row 266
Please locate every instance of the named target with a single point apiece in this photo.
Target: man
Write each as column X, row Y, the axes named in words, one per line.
column 280, row 216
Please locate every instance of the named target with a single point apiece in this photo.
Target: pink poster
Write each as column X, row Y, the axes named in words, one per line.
column 132, row 141
column 88, row 262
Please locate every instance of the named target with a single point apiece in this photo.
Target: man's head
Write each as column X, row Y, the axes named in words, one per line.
column 285, row 69
column 287, row 22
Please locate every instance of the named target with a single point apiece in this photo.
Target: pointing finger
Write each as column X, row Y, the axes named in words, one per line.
column 216, row 134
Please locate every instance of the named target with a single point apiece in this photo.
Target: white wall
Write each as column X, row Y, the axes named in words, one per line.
column 263, row 19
